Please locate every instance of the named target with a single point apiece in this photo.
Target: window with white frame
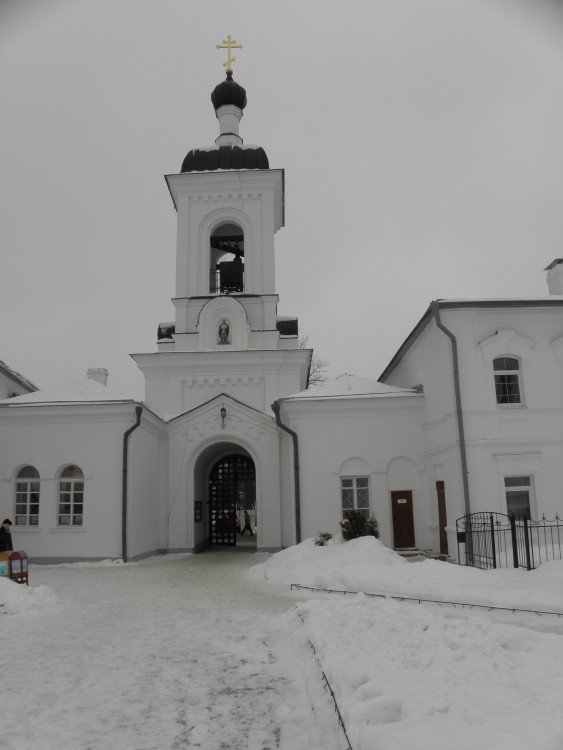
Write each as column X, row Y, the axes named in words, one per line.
column 508, row 386
column 71, row 497
column 27, row 497
column 519, row 500
column 355, row 494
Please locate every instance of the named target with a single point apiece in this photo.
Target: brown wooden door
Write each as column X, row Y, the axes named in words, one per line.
column 442, row 517
column 403, row 520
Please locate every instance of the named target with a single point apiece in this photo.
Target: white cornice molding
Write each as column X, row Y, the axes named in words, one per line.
column 175, row 363
column 518, row 463
column 228, row 183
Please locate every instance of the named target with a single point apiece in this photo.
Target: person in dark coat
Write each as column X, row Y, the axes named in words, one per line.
column 247, row 526
column 6, row 536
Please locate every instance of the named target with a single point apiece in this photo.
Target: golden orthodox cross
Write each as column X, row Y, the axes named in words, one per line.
column 229, row 44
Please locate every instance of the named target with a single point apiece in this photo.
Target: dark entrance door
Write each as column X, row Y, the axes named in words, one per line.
column 442, row 517
column 232, row 484
column 403, row 521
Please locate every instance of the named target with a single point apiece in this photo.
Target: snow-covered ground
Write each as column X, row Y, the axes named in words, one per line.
column 433, row 677
column 213, row 651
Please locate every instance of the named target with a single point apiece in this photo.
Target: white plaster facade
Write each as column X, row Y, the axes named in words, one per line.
column 53, row 436
column 501, row 439
column 229, row 380
column 375, row 435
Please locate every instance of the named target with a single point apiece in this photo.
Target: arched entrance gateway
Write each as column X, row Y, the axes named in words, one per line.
column 232, row 491
column 227, row 476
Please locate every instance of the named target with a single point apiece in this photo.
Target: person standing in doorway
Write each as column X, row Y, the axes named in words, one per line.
column 247, row 526
column 6, row 536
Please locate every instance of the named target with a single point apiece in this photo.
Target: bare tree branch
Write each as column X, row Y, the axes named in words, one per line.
column 317, row 370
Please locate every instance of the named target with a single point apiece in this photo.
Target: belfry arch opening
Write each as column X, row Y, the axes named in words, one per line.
column 226, row 259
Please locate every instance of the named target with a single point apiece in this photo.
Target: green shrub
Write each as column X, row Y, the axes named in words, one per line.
column 322, row 538
column 356, row 524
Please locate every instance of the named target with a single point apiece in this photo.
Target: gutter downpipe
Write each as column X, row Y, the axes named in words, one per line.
column 138, row 412
column 276, row 409
column 435, row 307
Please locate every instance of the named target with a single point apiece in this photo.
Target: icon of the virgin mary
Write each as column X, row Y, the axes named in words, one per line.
column 223, row 337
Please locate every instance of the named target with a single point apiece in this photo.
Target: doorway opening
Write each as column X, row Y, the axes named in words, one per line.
column 442, row 518
column 232, row 501
column 403, row 520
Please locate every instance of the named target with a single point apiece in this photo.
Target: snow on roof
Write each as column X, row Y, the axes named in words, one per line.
column 505, row 301
column 216, row 147
column 78, row 391
column 17, row 376
column 350, row 385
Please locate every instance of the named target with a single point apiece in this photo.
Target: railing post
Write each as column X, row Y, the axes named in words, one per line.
column 469, row 556
column 514, row 541
column 493, row 545
column 527, row 543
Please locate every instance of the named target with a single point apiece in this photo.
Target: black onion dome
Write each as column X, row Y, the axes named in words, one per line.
column 228, row 92
column 225, row 157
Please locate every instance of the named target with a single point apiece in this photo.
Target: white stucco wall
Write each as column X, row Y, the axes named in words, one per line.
column 147, row 527
column 363, row 436
column 90, row 436
column 177, row 382
column 501, row 440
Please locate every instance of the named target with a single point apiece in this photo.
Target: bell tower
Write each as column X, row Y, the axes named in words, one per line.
column 226, row 336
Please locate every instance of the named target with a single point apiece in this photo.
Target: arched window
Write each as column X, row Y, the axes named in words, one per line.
column 71, row 497
column 508, row 387
column 27, row 497
column 227, row 260
column 354, row 493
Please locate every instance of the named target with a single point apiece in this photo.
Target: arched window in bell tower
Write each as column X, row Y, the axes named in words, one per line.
column 226, row 259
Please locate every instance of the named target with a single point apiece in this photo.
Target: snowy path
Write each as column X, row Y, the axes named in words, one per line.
column 180, row 653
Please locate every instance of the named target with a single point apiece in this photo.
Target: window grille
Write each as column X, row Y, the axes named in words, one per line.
column 71, row 497
column 355, row 494
column 507, row 380
column 27, row 497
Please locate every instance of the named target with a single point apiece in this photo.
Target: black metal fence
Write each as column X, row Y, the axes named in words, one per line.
column 495, row 540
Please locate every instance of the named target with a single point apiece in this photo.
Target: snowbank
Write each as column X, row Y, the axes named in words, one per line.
column 407, row 676
column 17, row 597
column 419, row 677
column 310, row 565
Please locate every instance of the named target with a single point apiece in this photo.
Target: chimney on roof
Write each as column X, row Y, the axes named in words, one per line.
column 555, row 276
column 99, row 374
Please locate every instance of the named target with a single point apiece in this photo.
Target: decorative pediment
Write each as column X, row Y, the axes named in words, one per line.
column 223, row 325
column 506, row 342
column 518, row 463
column 226, row 418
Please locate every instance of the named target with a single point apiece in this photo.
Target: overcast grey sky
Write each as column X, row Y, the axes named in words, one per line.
column 422, row 142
